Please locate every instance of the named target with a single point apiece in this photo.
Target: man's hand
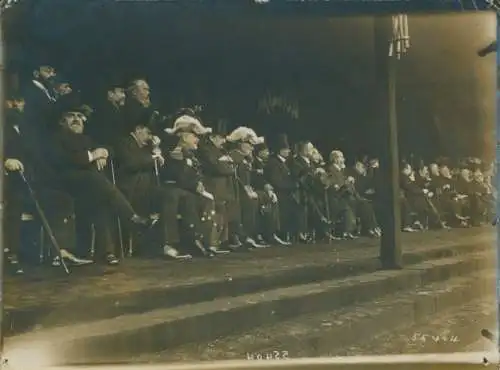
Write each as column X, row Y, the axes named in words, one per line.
column 12, row 165
column 101, row 163
column 155, row 141
column 159, row 158
column 268, row 188
column 100, row 153
column 273, row 197
column 200, row 188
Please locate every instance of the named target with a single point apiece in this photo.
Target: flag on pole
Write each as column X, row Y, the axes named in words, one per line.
column 400, row 42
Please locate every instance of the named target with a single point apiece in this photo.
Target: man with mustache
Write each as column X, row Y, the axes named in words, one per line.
column 79, row 166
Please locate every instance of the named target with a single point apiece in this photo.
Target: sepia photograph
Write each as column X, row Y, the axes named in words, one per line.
column 184, row 184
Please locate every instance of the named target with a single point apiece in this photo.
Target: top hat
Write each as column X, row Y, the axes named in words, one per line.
column 260, row 147
column 280, row 143
column 68, row 103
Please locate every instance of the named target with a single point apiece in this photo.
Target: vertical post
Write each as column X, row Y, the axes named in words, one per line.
column 390, row 246
column 2, row 171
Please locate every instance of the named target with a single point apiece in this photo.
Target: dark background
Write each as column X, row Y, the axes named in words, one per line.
column 228, row 62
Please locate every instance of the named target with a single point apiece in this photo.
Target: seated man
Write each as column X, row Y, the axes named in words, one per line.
column 183, row 177
column 340, row 192
column 268, row 218
column 78, row 164
column 241, row 142
column 277, row 173
column 420, row 201
column 139, row 160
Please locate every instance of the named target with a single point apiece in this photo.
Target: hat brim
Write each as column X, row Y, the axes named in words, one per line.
column 257, row 140
column 197, row 131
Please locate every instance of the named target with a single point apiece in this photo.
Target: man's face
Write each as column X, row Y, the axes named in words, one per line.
column 407, row 170
column 19, row 105
column 374, row 163
column 434, row 169
column 141, row 91
column 143, row 135
column 360, row 167
column 465, row 174
column 285, row 153
column 338, row 159
column 478, row 176
column 445, row 171
column 218, row 140
column 246, row 149
column 424, row 171
column 46, row 72
column 63, row 88
column 73, row 121
column 263, row 154
column 306, row 150
column 315, row 155
column 190, row 140
column 117, row 96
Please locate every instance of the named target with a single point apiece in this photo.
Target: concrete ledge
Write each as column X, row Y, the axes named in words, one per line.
column 384, row 326
column 18, row 320
column 131, row 335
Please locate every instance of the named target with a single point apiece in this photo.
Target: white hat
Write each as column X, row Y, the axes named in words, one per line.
column 245, row 134
column 188, row 124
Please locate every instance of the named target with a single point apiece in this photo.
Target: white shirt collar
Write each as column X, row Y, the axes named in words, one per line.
column 281, row 158
column 39, row 85
column 306, row 160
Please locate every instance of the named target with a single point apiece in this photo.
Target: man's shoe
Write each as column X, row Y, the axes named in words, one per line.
column 172, row 253
column 111, row 260
column 275, row 239
column 75, row 261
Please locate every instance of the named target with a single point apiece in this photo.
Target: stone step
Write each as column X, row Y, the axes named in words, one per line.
column 131, row 335
column 448, row 315
column 457, row 329
column 60, row 311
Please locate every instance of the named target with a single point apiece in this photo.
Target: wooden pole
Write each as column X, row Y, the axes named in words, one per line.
column 390, row 246
column 2, row 171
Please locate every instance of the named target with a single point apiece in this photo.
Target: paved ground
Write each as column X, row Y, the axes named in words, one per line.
column 48, row 285
column 138, row 274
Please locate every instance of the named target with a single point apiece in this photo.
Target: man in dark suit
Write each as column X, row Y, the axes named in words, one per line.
column 108, row 121
column 279, row 176
column 139, row 161
column 79, row 164
column 242, row 141
column 137, row 104
column 58, row 207
column 340, row 193
column 268, row 218
column 219, row 170
column 311, row 196
column 420, row 200
column 184, row 179
column 39, row 99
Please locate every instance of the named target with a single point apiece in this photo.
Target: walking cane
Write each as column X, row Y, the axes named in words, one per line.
column 45, row 223
column 157, row 172
column 327, row 206
column 119, row 224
